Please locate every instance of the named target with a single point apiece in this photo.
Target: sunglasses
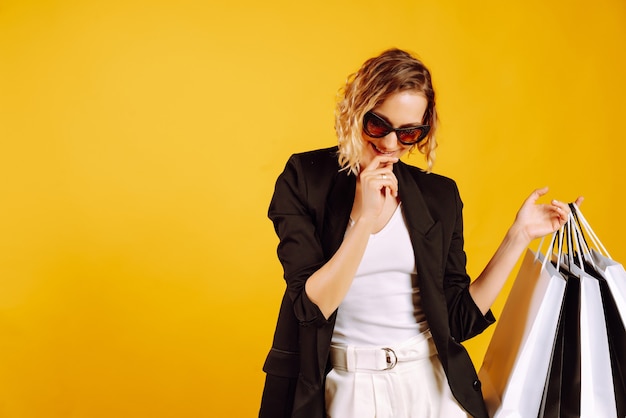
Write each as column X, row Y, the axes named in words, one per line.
column 377, row 127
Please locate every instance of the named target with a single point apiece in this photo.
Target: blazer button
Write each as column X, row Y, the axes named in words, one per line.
column 476, row 385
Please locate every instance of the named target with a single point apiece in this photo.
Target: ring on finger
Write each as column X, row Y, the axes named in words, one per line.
column 383, row 176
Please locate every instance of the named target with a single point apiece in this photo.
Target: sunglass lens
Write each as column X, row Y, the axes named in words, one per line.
column 375, row 127
column 411, row 136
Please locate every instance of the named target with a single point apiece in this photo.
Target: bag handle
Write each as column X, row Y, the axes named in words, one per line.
column 571, row 258
column 570, row 243
column 557, row 236
column 594, row 238
column 581, row 241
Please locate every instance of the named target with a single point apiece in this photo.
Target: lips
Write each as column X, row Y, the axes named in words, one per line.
column 381, row 152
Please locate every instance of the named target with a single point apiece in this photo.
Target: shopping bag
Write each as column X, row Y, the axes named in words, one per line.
column 612, row 279
column 561, row 389
column 617, row 346
column 517, row 359
column 596, row 388
column 580, row 382
column 612, row 283
column 612, row 271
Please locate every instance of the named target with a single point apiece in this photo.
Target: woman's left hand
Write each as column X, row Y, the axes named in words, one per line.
column 533, row 220
column 536, row 220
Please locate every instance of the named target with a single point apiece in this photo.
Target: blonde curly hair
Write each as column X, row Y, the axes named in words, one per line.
column 391, row 72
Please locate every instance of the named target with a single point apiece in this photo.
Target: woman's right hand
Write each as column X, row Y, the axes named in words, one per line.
column 328, row 286
column 378, row 183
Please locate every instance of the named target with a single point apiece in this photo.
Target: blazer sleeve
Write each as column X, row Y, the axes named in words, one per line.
column 299, row 250
column 466, row 319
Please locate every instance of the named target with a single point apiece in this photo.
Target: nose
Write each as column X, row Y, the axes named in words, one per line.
column 390, row 141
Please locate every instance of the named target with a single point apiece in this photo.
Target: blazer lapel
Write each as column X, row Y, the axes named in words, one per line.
column 425, row 232
column 413, row 201
column 338, row 208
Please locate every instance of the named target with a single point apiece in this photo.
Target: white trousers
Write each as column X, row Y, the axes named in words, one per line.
column 407, row 381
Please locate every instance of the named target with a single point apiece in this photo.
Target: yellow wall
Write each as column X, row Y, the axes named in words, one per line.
column 140, row 141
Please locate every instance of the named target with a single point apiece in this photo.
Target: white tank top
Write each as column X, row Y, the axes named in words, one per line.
column 383, row 305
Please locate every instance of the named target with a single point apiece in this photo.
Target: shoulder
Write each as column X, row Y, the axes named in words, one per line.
column 312, row 168
column 316, row 159
column 308, row 175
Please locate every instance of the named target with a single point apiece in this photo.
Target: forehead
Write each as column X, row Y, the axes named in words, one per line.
column 403, row 108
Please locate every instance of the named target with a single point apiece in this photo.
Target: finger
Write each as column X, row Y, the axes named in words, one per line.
column 536, row 194
column 389, row 183
column 393, row 189
column 381, row 174
column 562, row 210
column 560, row 206
column 381, row 179
column 579, row 200
column 381, row 161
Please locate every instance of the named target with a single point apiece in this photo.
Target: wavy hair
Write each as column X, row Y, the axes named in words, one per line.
column 391, row 72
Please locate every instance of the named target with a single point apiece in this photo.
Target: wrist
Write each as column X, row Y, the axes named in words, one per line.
column 363, row 221
column 518, row 236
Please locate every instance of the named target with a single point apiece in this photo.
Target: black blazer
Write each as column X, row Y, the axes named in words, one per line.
column 311, row 209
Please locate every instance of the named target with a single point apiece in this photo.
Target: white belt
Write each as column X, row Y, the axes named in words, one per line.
column 353, row 358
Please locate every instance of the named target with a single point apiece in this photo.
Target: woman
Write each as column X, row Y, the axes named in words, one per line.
column 378, row 300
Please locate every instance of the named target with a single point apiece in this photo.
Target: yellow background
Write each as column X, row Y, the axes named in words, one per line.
column 140, row 141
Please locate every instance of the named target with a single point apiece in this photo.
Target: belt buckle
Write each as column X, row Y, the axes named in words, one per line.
column 391, row 362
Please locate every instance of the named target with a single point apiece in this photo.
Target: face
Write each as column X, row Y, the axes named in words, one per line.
column 400, row 110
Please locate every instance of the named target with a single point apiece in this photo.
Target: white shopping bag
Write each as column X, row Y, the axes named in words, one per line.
column 516, row 363
column 597, row 395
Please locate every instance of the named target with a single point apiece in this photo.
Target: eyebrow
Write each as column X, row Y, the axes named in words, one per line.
column 405, row 126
